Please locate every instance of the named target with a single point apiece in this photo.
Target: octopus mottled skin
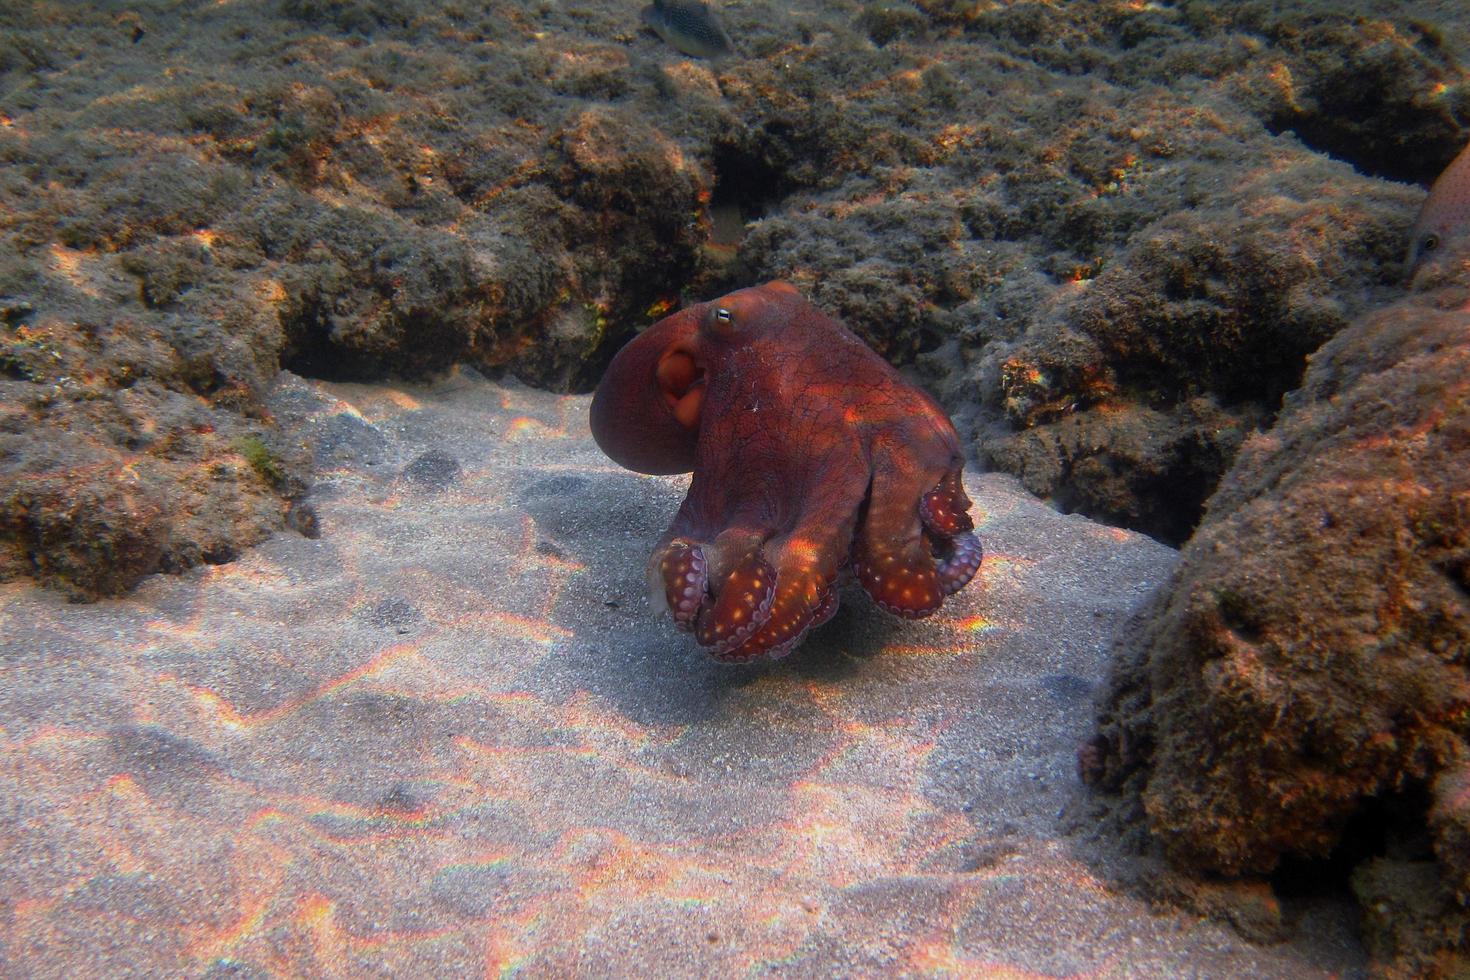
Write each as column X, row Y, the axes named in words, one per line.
column 810, row 453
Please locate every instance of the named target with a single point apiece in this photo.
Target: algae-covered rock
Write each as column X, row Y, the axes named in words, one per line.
column 92, row 538
column 340, row 189
column 1411, row 921
column 1306, row 667
column 120, row 429
column 1188, row 340
column 1180, row 248
column 1107, row 234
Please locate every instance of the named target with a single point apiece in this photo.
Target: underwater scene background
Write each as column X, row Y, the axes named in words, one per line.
column 301, row 303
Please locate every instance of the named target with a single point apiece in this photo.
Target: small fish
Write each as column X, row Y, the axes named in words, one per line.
column 1445, row 216
column 690, row 26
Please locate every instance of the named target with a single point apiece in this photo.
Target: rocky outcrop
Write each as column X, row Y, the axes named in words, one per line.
column 1107, row 234
column 1301, row 687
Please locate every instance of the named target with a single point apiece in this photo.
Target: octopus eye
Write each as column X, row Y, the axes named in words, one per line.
column 722, row 321
column 1429, row 243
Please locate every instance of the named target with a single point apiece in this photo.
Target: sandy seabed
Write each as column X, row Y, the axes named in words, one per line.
column 449, row 737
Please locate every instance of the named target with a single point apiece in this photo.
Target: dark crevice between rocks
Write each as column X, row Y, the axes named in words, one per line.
column 311, row 351
column 1386, row 869
column 1417, row 154
column 1165, row 501
column 747, row 187
column 745, row 179
column 1392, row 826
column 1171, row 523
column 1364, row 100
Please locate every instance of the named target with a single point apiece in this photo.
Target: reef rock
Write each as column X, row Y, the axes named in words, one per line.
column 1301, row 687
column 1106, row 234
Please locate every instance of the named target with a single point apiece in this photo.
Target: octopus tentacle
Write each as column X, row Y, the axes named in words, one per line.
column 743, row 605
column 797, row 599
column 682, row 571
column 945, row 509
column 956, row 560
column 827, row 603
column 784, row 648
column 826, row 609
column 903, row 581
column 901, row 556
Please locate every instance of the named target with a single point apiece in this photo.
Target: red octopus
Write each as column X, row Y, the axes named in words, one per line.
column 809, row 452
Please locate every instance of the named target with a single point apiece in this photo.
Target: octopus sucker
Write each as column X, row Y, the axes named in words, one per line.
column 959, row 563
